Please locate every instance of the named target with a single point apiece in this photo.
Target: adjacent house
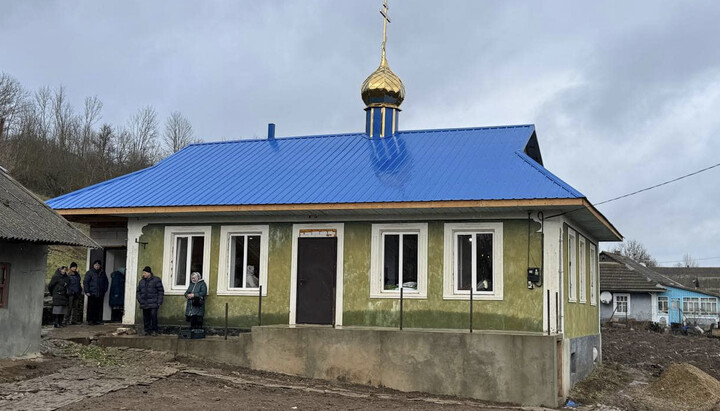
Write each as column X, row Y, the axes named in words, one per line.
column 446, row 230
column 704, row 279
column 27, row 227
column 630, row 290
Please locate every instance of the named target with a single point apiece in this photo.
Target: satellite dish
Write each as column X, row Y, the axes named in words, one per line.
column 605, row 297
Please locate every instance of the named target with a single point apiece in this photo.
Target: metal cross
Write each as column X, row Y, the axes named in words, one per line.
column 386, row 20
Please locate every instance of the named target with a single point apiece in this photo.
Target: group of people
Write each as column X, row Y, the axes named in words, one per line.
column 150, row 295
column 68, row 295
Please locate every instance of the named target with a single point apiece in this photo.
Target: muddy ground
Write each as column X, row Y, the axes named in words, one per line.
column 633, row 360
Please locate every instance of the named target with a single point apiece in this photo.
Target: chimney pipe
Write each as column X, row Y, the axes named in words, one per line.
column 271, row 131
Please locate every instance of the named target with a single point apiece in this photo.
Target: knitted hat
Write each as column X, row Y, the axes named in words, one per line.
column 73, row 264
column 147, row 269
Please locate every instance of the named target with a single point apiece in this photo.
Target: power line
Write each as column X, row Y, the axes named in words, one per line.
column 659, row 185
column 695, row 259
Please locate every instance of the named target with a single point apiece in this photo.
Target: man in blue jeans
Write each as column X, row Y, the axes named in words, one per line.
column 150, row 294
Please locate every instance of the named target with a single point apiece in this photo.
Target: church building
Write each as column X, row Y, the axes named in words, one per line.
column 458, row 231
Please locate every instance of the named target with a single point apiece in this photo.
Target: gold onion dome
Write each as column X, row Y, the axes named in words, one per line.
column 383, row 88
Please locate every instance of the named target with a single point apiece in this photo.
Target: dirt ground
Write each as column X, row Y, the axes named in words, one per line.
column 72, row 376
column 634, row 360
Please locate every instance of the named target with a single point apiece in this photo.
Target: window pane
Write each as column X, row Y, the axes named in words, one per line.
column 181, row 249
column 391, row 250
column 198, row 250
column 253, row 264
column 484, row 262
column 237, row 260
column 410, row 261
column 464, row 262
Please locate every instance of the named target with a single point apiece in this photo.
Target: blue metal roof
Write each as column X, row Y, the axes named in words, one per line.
column 427, row 165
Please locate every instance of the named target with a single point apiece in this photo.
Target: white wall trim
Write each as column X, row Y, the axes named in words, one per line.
column 572, row 265
column 594, row 270
column 135, row 228
column 582, row 269
column 340, row 230
column 168, row 248
column 223, row 287
column 451, row 229
column 376, row 260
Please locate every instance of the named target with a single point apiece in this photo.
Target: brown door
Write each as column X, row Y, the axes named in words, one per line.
column 316, row 271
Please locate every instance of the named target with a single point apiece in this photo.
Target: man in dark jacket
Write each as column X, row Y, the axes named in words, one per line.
column 95, row 285
column 75, row 294
column 150, row 293
column 58, row 288
column 117, row 294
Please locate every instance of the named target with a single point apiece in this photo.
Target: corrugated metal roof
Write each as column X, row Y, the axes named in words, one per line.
column 24, row 217
column 427, row 165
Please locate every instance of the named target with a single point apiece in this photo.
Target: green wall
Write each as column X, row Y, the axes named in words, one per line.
column 521, row 308
column 581, row 319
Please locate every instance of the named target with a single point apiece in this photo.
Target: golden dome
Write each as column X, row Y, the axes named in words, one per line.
column 383, row 88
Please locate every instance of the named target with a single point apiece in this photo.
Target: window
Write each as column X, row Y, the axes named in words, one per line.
column 582, row 270
column 186, row 250
column 622, row 303
column 708, row 306
column 473, row 261
column 4, row 281
column 399, row 259
column 572, row 270
column 243, row 260
column 662, row 305
column 593, row 274
column 691, row 305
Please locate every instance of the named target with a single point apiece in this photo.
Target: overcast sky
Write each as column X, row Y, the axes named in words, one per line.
column 623, row 94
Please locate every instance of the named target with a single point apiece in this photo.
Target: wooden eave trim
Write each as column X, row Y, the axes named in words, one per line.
column 549, row 202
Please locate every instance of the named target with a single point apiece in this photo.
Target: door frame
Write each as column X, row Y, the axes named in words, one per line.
column 340, row 235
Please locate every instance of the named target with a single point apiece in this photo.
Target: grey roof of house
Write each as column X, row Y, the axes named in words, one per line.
column 704, row 279
column 636, row 269
column 617, row 275
column 25, row 217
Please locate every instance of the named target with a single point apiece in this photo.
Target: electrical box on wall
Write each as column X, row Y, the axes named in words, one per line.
column 533, row 275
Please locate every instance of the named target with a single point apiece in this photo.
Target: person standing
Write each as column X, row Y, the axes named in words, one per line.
column 195, row 306
column 95, row 286
column 150, row 293
column 58, row 288
column 117, row 294
column 76, row 297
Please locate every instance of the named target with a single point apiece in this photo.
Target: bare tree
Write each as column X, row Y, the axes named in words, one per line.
column 91, row 114
column 143, row 129
column 64, row 119
column 12, row 99
column 634, row 250
column 687, row 261
column 178, row 132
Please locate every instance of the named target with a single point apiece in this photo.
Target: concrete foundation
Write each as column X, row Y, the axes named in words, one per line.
column 20, row 320
column 585, row 353
column 494, row 366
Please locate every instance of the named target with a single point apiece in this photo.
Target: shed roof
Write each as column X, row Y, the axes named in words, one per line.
column 24, row 217
column 616, row 274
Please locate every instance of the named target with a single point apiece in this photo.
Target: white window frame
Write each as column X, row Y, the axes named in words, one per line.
column 171, row 233
column 687, row 301
column 582, row 269
column 226, row 234
column 711, row 301
column 377, row 257
column 572, row 266
column 615, row 297
column 450, row 265
column 593, row 274
column 667, row 305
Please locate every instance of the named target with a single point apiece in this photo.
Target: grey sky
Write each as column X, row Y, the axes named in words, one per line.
column 623, row 94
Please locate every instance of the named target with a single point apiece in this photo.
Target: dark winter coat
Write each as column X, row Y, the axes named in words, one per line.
column 58, row 288
column 117, row 289
column 95, row 283
column 75, row 287
column 198, row 289
column 150, row 292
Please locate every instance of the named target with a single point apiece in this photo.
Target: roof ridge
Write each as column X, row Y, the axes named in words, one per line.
column 435, row 130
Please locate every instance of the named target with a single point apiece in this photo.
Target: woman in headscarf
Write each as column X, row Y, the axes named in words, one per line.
column 195, row 306
column 58, row 288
